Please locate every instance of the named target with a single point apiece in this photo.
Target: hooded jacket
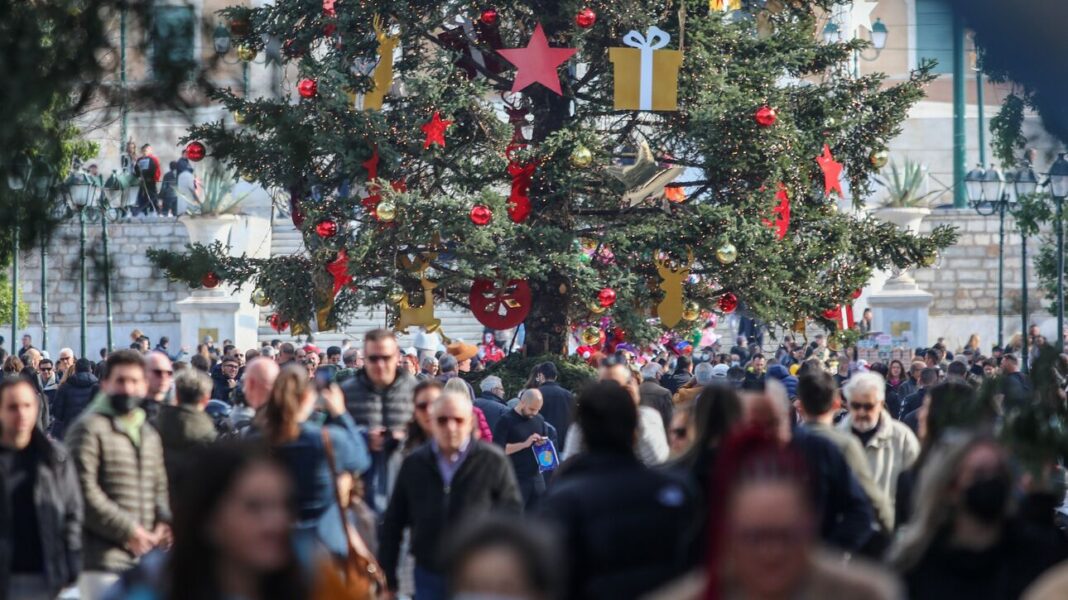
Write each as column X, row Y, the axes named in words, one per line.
column 788, row 381
column 71, row 399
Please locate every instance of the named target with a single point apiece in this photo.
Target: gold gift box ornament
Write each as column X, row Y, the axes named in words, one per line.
column 646, row 77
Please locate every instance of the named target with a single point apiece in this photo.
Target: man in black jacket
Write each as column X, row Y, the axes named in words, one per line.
column 40, row 502
column 680, row 377
column 491, row 400
column 439, row 486
column 558, row 405
column 625, row 528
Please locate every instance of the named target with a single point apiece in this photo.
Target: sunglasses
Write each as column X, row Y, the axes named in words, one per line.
column 43, row 369
column 444, row 420
column 380, row 357
column 162, row 372
column 862, row 406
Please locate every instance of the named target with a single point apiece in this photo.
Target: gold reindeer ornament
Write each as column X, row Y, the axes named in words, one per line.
column 672, row 275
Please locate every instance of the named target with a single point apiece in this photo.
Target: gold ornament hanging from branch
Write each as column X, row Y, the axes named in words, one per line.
column 672, row 275
column 645, row 178
column 419, row 316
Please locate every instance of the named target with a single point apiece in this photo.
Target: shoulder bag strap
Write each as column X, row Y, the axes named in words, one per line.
column 356, row 546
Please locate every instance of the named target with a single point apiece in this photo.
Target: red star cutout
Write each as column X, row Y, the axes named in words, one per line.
column 537, row 62
column 832, row 172
column 435, row 130
column 339, row 270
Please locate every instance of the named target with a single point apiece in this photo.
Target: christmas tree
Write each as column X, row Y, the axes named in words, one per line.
column 623, row 163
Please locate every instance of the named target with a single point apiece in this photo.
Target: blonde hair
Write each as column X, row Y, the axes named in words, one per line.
column 458, row 386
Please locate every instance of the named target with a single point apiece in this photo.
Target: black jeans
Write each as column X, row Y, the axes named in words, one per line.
column 147, row 198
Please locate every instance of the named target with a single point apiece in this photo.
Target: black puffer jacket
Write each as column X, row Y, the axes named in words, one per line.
column 73, row 396
column 371, row 407
column 59, row 517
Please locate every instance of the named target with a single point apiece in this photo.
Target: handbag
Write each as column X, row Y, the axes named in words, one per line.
column 360, row 574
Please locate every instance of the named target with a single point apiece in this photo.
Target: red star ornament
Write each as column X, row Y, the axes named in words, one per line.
column 339, row 270
column 832, row 172
column 781, row 224
column 537, row 63
column 435, row 130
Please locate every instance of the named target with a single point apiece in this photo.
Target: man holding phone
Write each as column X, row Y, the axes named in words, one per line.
column 517, row 431
column 379, row 398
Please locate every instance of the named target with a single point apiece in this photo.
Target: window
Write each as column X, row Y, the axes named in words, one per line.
column 934, row 33
column 172, row 45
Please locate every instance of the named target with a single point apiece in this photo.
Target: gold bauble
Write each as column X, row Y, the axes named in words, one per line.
column 387, row 211
column 726, row 253
column 239, row 117
column 581, row 157
column 591, row 335
column 930, row 259
column 879, row 158
column 596, row 308
column 246, row 53
column 691, row 311
column 259, row 298
column 248, row 176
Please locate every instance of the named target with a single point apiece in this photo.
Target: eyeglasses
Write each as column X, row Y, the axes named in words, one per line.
column 866, row 407
column 380, row 357
column 162, row 372
column 444, row 420
column 43, row 369
column 422, row 406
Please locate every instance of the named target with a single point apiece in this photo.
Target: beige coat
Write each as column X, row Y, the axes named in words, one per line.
column 892, row 450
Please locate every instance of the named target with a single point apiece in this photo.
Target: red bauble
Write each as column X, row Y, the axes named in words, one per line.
column 196, row 151
column 481, row 215
column 607, row 297
column 326, row 229
column 728, row 302
column 489, row 16
column 277, row 323
column 765, row 116
column 307, row 88
column 500, row 307
column 833, row 314
column 857, row 293
column 586, row 18
column 210, row 280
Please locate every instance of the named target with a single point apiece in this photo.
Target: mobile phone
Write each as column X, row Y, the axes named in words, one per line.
column 322, row 379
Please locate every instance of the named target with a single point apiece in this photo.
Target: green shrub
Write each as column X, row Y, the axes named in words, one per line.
column 515, row 370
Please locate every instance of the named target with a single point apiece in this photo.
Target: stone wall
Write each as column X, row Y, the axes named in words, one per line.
column 964, row 281
column 141, row 297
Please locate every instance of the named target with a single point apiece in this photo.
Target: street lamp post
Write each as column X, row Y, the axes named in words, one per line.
column 43, row 186
column 988, row 194
column 1058, row 186
column 1025, row 183
column 80, row 189
column 114, row 196
column 17, row 175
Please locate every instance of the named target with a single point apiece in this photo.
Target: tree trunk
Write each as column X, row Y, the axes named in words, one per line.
column 547, row 324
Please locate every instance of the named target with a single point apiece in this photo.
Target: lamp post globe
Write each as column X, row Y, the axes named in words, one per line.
column 879, row 33
column 973, row 184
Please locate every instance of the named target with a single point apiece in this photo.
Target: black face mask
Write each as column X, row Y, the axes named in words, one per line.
column 986, row 499
column 123, row 403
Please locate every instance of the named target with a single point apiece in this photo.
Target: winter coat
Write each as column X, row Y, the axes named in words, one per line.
column 370, row 407
column 71, row 400
column 656, row 396
column 892, row 450
column 123, row 480
column 492, row 407
column 787, row 380
column 854, row 456
column 558, row 406
column 675, row 380
column 220, row 389
column 483, row 483
column 182, row 429
column 59, row 518
column 625, row 528
column 846, row 515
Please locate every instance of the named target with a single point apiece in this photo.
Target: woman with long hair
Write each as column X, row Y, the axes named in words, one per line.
column 895, row 375
column 964, row 541
column 973, row 343
column 716, row 411
column 285, row 422
column 232, row 530
column 13, row 366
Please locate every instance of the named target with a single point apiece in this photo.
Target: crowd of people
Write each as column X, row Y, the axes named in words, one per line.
column 291, row 472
